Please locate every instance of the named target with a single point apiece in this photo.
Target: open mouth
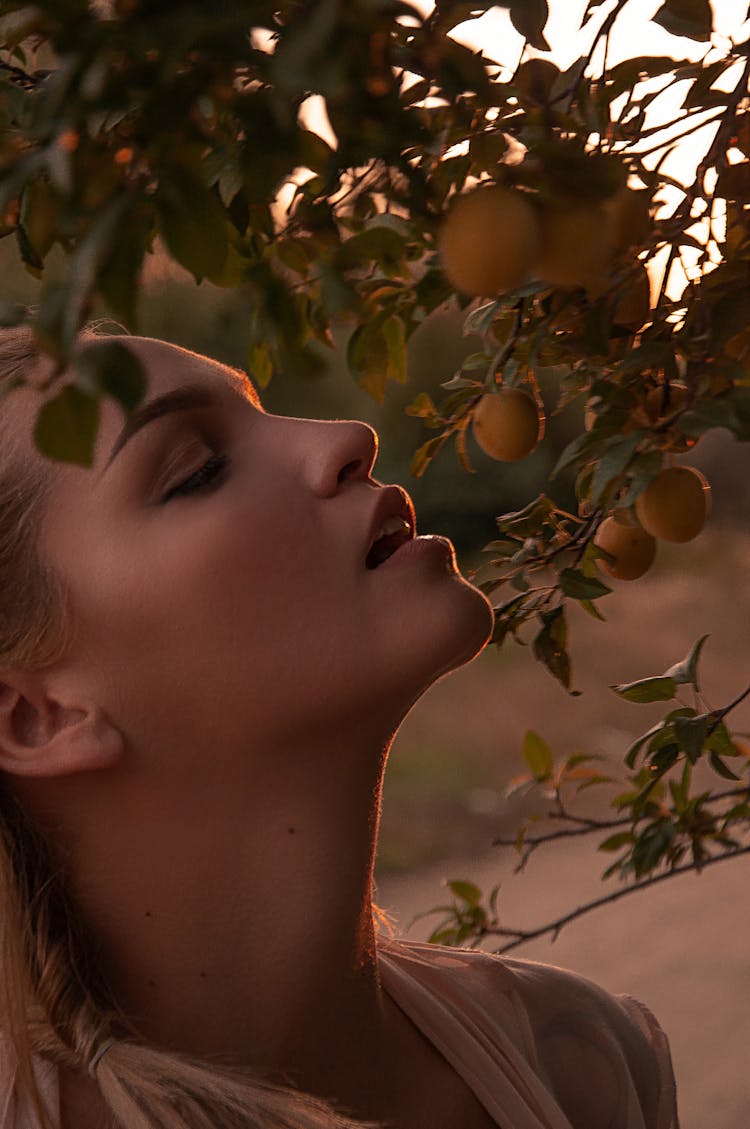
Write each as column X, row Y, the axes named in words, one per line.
column 394, row 532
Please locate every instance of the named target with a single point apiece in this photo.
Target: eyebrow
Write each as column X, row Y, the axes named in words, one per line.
column 183, row 399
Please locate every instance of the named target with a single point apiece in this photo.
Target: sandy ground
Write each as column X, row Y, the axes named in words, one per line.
column 682, row 948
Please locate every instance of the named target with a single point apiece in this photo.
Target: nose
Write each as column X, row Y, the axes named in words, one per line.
column 335, row 451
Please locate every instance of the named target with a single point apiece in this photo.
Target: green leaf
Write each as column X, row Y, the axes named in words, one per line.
column 192, row 223
column 66, row 426
column 614, row 842
column 690, row 18
column 708, row 414
column 260, row 364
column 110, row 367
column 479, row 319
column 577, row 449
column 720, row 742
column 394, row 334
column 592, row 610
column 529, row 18
column 380, row 243
column 717, row 764
column 616, row 454
column 549, row 645
column 424, row 455
column 685, row 673
column 538, row 755
column 661, row 689
column 466, row 891
column 691, row 732
column 523, row 523
column 649, row 848
column 580, row 587
column 422, row 407
column 368, row 361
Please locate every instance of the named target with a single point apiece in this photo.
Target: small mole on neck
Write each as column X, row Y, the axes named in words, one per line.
column 291, row 830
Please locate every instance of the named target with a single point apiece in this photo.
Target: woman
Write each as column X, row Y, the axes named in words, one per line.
column 209, row 640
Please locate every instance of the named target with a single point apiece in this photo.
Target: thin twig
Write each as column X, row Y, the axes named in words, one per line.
column 521, row 936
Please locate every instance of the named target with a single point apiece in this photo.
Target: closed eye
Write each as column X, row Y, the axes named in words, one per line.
column 206, row 478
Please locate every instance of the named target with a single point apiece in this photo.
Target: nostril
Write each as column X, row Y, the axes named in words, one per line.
column 347, row 470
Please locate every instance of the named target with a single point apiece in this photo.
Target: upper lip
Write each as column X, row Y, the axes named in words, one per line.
column 392, row 501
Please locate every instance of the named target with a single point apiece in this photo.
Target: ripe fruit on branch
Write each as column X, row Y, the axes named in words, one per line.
column 489, row 241
column 629, row 215
column 577, row 244
column 633, row 548
column 634, row 302
column 508, row 424
column 675, row 505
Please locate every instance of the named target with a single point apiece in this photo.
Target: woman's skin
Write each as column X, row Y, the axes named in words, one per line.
column 207, row 756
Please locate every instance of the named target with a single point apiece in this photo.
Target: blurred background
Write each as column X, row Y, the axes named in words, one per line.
column 683, row 947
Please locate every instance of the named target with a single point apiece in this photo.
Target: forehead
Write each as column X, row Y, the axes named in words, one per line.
column 166, row 368
column 169, row 366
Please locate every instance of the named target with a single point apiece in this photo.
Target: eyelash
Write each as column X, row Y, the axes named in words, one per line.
column 204, row 478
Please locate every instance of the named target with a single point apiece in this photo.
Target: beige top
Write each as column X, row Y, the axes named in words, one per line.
column 540, row 1047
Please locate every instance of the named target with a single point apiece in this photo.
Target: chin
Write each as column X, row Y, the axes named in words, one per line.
column 449, row 633
column 467, row 628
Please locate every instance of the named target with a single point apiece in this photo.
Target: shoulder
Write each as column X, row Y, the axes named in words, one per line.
column 604, row 1058
column 583, row 1033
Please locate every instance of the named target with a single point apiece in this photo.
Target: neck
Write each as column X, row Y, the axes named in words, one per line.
column 243, row 929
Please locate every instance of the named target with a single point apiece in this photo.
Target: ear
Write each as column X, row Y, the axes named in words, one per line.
column 41, row 736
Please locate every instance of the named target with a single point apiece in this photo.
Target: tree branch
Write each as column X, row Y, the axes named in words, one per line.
column 521, row 936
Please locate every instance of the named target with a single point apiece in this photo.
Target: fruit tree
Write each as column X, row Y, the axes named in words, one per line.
column 358, row 164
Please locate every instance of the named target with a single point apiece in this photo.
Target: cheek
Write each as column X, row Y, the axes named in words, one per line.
column 217, row 609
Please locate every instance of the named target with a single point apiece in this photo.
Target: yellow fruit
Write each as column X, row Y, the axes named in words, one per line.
column 633, row 548
column 507, row 424
column 629, row 214
column 656, row 411
column 633, row 303
column 742, row 746
column 675, row 505
column 489, row 241
column 577, row 245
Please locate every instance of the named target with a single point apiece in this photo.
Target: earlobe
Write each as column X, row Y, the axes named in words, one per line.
column 40, row 736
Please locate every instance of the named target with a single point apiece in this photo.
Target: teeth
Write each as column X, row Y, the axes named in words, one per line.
column 393, row 524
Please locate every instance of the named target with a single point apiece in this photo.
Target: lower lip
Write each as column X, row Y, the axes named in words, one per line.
column 420, row 546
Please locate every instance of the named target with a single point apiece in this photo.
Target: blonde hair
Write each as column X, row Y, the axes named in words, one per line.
column 53, row 1002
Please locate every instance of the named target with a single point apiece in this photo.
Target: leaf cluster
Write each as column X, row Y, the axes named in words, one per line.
column 661, row 824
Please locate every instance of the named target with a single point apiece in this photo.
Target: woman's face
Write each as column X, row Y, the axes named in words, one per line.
column 215, row 559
